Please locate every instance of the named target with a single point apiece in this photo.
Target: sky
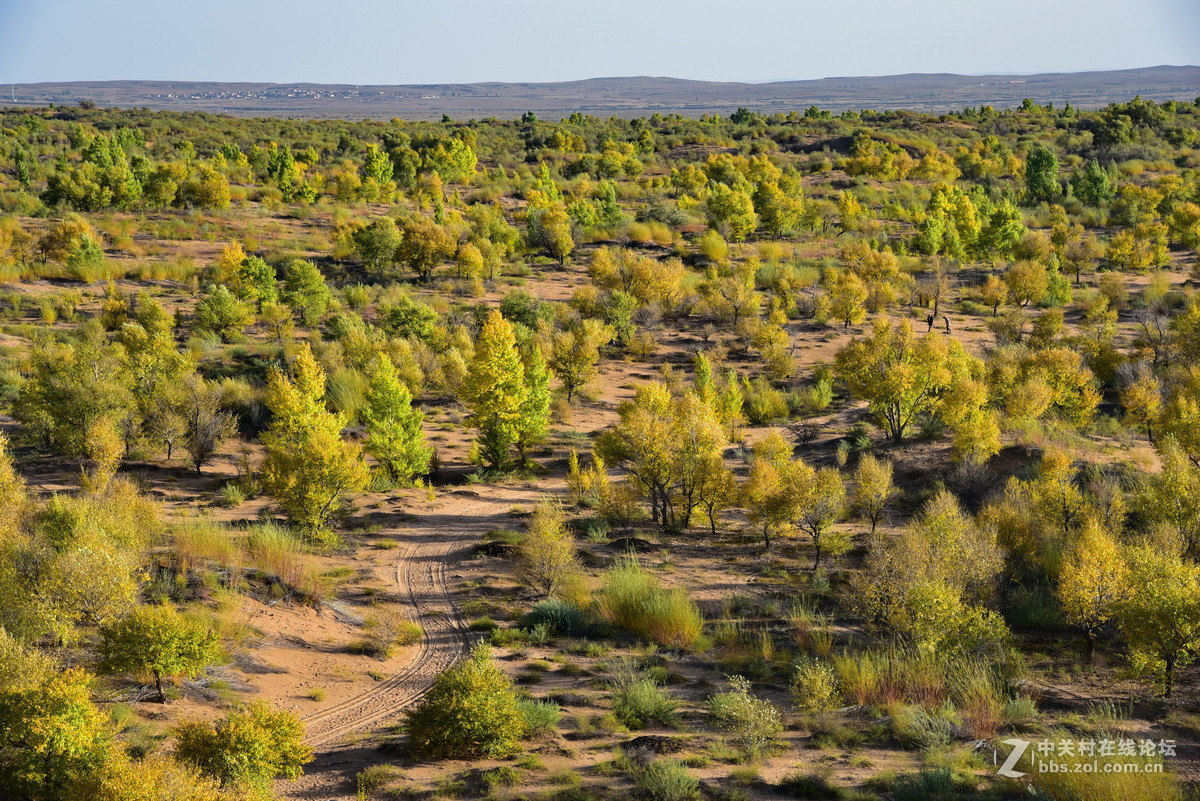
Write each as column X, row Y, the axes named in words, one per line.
column 467, row 41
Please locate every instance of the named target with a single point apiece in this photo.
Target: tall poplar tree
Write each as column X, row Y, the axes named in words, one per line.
column 495, row 390
column 309, row 469
column 394, row 435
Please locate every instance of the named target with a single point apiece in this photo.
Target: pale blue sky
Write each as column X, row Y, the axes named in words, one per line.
column 376, row 41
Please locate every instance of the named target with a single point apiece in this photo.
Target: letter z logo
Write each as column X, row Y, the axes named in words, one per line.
column 1018, row 751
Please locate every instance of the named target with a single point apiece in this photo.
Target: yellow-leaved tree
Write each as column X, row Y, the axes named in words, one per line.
column 900, row 375
column 1093, row 580
column 1160, row 615
column 309, row 469
column 495, row 390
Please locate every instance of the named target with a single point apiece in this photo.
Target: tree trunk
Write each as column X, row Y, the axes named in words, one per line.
column 162, row 696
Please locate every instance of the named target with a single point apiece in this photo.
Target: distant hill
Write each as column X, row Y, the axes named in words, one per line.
column 624, row 97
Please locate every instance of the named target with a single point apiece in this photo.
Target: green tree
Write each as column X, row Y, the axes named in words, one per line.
column 1002, row 231
column 404, row 317
column 70, row 388
column 305, row 291
column 1093, row 582
column 847, row 296
column 204, row 188
column 550, row 229
column 994, row 292
column 533, row 421
column 159, row 641
column 663, row 442
column 779, row 212
column 309, row 469
column 495, row 390
column 731, row 212
column 716, row 488
column 1093, row 185
column 1027, row 282
column 205, row 425
column 394, row 434
column 575, row 353
column 423, row 245
column 376, row 165
column 256, row 282
column 767, row 493
column 246, row 749
column 471, row 711
column 820, row 502
column 376, row 243
column 220, row 313
column 1041, row 175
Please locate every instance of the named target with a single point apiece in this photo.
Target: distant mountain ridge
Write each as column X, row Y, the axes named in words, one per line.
column 621, row 96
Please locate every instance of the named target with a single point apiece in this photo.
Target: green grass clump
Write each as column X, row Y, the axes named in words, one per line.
column 559, row 616
column 666, row 781
column 635, row 600
column 541, row 717
column 638, row 701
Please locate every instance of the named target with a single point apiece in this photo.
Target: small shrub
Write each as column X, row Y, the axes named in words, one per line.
column 508, row 638
column 388, row 630
column 232, row 495
column 764, row 403
column 566, row 778
column 637, row 701
column 1020, row 713
column 541, row 717
column 754, row 724
column 560, row 617
column 666, row 781
column 1072, row 781
column 500, row 776
column 373, row 778
column 980, row 700
column 814, row 786
column 814, row 686
column 913, row 727
column 938, row 784
column 471, row 711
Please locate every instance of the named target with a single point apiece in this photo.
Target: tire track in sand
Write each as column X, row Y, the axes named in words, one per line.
column 420, row 575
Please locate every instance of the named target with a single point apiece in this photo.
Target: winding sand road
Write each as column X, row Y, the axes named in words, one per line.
column 431, row 543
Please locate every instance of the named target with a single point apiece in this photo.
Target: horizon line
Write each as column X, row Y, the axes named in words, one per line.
column 762, row 82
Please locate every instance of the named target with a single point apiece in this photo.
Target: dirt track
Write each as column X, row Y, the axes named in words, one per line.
column 431, row 543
